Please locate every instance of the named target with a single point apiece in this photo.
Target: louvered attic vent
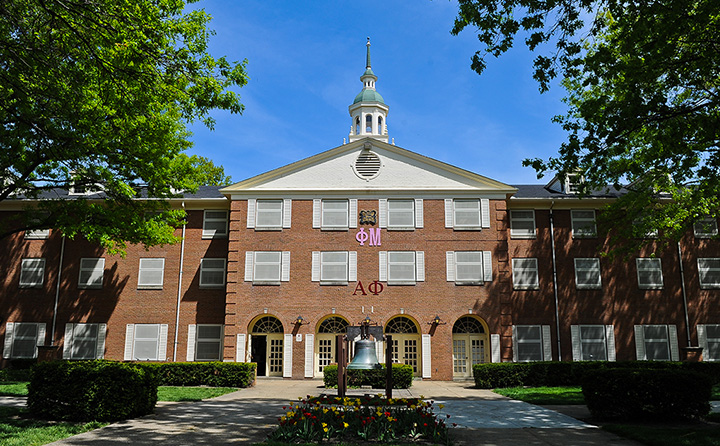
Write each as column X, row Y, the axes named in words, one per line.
column 367, row 165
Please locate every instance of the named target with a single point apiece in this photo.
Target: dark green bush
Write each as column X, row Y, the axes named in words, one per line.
column 90, row 390
column 213, row 374
column 646, row 394
column 15, row 375
column 402, row 376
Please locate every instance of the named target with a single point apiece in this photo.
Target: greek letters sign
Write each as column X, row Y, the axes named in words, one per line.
column 372, row 236
column 374, row 288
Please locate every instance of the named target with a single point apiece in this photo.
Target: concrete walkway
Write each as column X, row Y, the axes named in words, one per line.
column 249, row 415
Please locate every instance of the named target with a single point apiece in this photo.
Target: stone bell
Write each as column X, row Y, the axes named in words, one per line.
column 365, row 357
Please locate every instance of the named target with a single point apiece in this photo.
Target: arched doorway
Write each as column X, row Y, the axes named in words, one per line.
column 266, row 346
column 406, row 342
column 326, row 349
column 470, row 346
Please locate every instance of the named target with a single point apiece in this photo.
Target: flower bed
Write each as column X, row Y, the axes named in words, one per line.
column 375, row 418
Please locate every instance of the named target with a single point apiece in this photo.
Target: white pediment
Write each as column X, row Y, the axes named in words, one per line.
column 400, row 171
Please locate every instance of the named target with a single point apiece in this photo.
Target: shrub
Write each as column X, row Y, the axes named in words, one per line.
column 15, row 375
column 647, row 394
column 402, row 376
column 90, row 390
column 213, row 374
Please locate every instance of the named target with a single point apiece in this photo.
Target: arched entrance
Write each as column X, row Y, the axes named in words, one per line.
column 266, row 346
column 470, row 346
column 406, row 342
column 326, row 347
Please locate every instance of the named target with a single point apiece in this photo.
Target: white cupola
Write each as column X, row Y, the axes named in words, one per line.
column 368, row 111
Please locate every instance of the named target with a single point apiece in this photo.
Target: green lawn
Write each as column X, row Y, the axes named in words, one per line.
column 17, row 429
column 13, row 388
column 173, row 393
column 662, row 435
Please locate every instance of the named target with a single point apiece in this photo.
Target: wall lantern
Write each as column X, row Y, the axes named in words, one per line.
column 300, row 321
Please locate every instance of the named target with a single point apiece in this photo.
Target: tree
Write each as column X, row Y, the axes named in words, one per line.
column 98, row 94
column 644, row 104
column 199, row 171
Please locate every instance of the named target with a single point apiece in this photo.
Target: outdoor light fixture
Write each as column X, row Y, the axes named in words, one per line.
column 436, row 321
column 300, row 321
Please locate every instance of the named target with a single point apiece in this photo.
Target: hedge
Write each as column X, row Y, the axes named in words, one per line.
column 402, row 376
column 558, row 373
column 213, row 374
column 646, row 394
column 90, row 390
column 15, row 375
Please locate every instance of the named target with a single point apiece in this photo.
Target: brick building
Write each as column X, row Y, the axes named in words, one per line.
column 459, row 268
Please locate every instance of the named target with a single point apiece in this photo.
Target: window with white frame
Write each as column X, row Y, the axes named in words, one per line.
column 215, row 224
column 709, row 272
column 709, row 339
column 656, row 342
column 146, row 342
column 208, row 344
column 522, row 224
column 150, row 274
column 525, row 274
column 269, row 214
column 532, row 343
column 593, row 342
column 267, row 267
column 212, row 273
column 705, row 228
column 22, row 339
column 32, row 273
column 587, row 273
column 469, row 267
column 401, row 214
column 467, row 213
column 583, row 223
column 649, row 273
column 402, row 267
column 37, row 234
column 335, row 214
column 84, row 341
column 91, row 274
column 334, row 267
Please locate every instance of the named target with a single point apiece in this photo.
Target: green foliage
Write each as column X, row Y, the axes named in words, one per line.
column 213, row 374
column 13, row 388
column 402, row 376
column 15, row 375
column 175, row 393
column 663, row 435
column 632, row 394
column 199, row 171
column 16, row 429
column 97, row 95
column 90, row 390
column 544, row 395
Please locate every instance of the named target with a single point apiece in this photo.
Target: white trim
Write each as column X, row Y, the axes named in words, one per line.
column 487, row 266
column 251, row 210
column 450, row 265
column 317, row 213
column 419, row 220
column 315, row 267
column 485, row 212
column 419, row 266
column 287, row 213
column 352, row 213
column 383, row 267
column 382, row 213
column 249, row 264
column 129, row 335
column 309, row 355
column 162, row 343
column 610, row 339
column 449, row 213
column 426, row 357
column 546, row 343
column 190, row 354
column 287, row 355
column 352, row 266
column 285, row 266
column 495, row 348
column 240, row 340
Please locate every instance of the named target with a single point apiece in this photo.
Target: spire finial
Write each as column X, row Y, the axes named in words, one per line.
column 367, row 64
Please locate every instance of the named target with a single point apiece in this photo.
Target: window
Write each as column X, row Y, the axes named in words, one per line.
column 705, row 228
column 401, row 214
column 525, row 274
column 215, row 224
column 32, row 273
column 649, row 272
column 334, row 267
column 402, row 267
column 22, row 339
column 467, row 214
column 267, row 267
column 593, row 342
column 656, row 343
column 469, row 267
column 522, row 224
column 269, row 214
column 207, row 343
column 151, row 272
column 148, row 342
column 532, row 343
column 587, row 274
column 84, row 341
column 709, row 272
column 91, row 272
column 212, row 273
column 583, row 224
column 37, row 234
column 337, row 215
column 709, row 339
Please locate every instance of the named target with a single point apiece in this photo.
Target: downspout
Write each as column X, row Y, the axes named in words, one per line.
column 684, row 294
column 555, row 289
column 57, row 291
column 179, row 293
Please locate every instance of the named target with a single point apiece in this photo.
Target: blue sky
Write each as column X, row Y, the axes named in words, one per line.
column 304, row 63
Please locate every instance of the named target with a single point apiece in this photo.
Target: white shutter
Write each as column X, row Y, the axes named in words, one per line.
column 352, row 266
column 380, row 351
column 487, row 266
column 252, row 204
column 315, row 268
column 449, row 220
column 248, row 351
column 610, row 338
column 383, row 211
column 287, row 355
column 129, row 333
column 495, row 348
column 383, row 266
column 67, row 341
column 426, row 357
column 190, row 356
column 547, row 343
column 285, row 270
column 287, row 212
column 639, row 343
column 576, row 346
column 9, row 328
column 102, row 333
column 515, row 345
column 309, row 355
column 702, row 337
column 41, row 335
column 485, row 212
column 672, row 337
column 420, row 266
column 162, row 355
column 317, row 213
column 419, row 220
column 249, row 266
column 353, row 217
column 240, row 347
column 450, row 265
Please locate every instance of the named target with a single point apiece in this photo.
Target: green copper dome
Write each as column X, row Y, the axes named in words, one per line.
column 367, row 95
